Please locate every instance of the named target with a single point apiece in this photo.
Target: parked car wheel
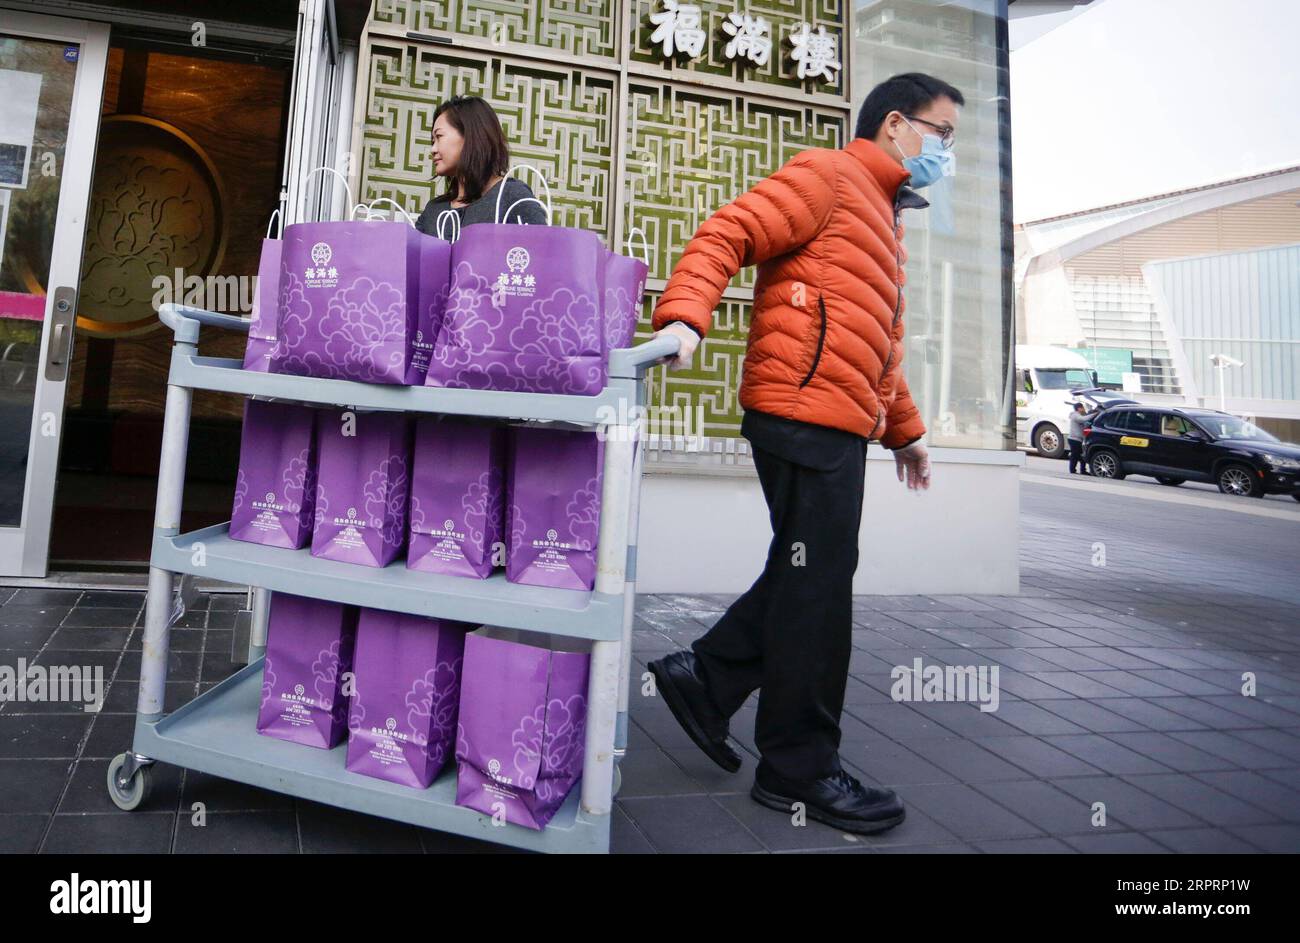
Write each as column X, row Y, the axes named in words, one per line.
column 1105, row 464
column 1170, row 481
column 1048, row 441
column 1239, row 480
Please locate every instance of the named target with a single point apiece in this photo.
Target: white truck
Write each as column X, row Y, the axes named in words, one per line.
column 1049, row 381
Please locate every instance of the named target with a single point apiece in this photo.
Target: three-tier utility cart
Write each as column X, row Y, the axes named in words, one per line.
column 216, row 733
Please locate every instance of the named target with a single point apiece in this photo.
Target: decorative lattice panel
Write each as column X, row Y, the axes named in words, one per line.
column 779, row 71
column 688, row 142
column 556, row 118
column 706, row 393
column 692, row 150
column 572, row 27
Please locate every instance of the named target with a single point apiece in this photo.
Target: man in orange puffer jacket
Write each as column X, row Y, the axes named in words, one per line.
column 822, row 376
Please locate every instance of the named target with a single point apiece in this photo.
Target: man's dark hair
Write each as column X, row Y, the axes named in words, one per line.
column 908, row 93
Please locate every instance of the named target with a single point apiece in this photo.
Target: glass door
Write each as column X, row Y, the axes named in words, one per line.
column 51, row 86
column 314, row 120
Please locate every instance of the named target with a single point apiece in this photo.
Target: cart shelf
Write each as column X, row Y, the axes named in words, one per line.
column 228, row 376
column 492, row 601
column 216, row 733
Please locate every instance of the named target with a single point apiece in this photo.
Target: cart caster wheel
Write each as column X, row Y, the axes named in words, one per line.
column 130, row 795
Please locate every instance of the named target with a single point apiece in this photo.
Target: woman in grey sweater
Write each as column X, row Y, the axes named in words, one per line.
column 470, row 153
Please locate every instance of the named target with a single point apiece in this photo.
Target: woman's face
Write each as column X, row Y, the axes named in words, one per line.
column 447, row 143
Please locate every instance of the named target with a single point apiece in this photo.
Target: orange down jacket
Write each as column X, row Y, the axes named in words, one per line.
column 826, row 333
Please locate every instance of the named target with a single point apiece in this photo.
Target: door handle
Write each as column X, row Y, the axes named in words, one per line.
column 57, row 353
column 62, row 320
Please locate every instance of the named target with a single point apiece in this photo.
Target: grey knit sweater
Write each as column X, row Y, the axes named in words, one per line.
column 483, row 209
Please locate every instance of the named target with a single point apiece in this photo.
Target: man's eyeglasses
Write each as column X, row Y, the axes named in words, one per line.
column 945, row 133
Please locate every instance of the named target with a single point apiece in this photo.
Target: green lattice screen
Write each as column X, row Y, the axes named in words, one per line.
column 690, row 141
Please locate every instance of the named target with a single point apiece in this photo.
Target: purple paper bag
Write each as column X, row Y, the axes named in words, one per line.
column 402, row 720
column 261, row 328
column 308, row 651
column 362, row 483
column 624, row 287
column 275, row 488
column 348, row 301
column 553, row 507
column 457, row 497
column 435, row 283
column 523, row 721
column 524, row 313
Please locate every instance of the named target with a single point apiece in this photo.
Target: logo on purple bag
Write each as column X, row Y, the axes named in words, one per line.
column 351, row 520
column 268, row 503
column 552, row 540
column 514, row 281
column 391, row 723
column 494, row 770
column 320, row 274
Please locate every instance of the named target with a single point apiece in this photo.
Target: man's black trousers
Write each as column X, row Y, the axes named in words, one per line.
column 790, row 635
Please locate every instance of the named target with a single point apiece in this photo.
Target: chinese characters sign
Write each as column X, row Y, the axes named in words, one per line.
column 679, row 32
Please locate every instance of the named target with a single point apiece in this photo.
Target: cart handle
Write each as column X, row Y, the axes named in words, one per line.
column 626, row 362
column 630, row 362
column 185, row 320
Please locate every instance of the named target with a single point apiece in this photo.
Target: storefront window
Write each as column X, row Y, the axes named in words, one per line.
column 958, row 311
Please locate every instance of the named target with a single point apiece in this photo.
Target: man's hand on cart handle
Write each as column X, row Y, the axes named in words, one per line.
column 689, row 341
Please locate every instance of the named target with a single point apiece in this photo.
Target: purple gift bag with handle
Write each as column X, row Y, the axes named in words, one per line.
column 402, row 719
column 553, row 507
column 522, row 727
column 525, row 310
column 435, row 285
column 457, row 497
column 625, row 278
column 362, row 484
column 262, row 324
column 275, row 488
column 349, row 299
column 308, row 651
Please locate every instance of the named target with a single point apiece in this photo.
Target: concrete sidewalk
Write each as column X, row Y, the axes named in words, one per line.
column 1119, row 684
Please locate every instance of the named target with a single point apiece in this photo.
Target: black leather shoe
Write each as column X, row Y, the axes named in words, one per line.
column 678, row 679
column 838, row 800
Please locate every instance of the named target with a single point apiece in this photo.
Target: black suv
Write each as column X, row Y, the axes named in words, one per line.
column 1179, row 444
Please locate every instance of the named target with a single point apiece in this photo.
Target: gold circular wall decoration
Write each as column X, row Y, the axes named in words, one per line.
column 157, row 205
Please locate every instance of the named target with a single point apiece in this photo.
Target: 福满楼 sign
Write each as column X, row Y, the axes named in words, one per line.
column 679, row 30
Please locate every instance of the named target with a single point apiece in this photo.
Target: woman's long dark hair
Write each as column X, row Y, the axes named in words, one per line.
column 484, row 153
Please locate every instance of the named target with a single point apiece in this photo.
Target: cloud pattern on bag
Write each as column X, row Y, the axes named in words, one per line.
column 362, row 484
column 555, row 347
column 582, row 520
column 433, row 703
column 622, row 311
column 363, row 329
column 325, row 675
column 385, row 496
column 241, row 492
column 275, row 485
column 566, row 721
column 310, row 644
column 484, row 507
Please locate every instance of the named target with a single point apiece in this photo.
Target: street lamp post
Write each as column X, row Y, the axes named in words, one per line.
column 1222, row 362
